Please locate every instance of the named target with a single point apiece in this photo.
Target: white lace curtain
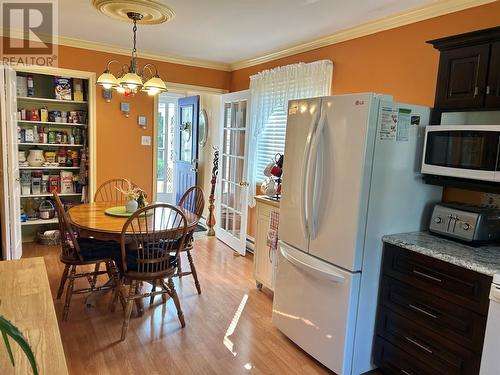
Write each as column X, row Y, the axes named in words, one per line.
column 272, row 89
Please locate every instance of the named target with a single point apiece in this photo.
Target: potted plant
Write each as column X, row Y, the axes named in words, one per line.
column 136, row 197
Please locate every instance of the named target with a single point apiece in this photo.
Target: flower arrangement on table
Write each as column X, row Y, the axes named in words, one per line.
column 136, row 197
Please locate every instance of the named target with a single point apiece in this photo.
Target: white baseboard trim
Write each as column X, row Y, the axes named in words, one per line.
column 250, row 244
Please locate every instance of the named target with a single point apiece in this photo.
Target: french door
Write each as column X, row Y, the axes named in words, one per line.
column 232, row 187
column 10, row 189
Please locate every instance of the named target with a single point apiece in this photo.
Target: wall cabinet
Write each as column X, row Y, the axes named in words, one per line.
column 431, row 315
column 264, row 260
column 469, row 70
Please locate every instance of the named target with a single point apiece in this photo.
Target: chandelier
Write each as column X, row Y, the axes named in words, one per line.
column 131, row 78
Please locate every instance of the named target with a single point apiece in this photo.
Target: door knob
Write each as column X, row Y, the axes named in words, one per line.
column 243, row 183
column 195, row 161
column 195, row 170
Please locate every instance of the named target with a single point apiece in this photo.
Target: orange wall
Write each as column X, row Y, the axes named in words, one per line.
column 396, row 62
column 118, row 149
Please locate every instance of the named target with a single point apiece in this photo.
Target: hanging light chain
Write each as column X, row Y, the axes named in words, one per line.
column 134, row 29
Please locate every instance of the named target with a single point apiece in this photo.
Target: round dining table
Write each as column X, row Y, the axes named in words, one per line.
column 91, row 220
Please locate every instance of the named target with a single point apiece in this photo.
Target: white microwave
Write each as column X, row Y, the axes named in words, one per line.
column 462, row 151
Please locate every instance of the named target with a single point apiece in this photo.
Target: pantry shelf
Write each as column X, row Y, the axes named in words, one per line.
column 50, row 123
column 39, row 222
column 47, row 100
column 50, row 194
column 49, row 145
column 48, row 168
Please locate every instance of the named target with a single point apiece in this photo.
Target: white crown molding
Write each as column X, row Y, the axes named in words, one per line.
column 111, row 48
column 434, row 9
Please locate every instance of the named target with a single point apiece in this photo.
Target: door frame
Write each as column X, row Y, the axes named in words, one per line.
column 181, row 89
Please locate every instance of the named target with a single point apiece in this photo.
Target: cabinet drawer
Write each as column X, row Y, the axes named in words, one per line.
column 444, row 355
column 451, row 321
column 392, row 360
column 455, row 284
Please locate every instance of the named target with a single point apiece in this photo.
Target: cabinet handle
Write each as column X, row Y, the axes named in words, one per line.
column 488, row 90
column 476, row 91
column 407, row 372
column 419, row 345
column 418, row 309
column 416, row 272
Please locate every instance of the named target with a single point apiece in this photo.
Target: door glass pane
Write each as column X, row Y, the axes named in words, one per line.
column 223, row 218
column 238, row 143
column 225, row 193
column 186, row 131
column 237, row 198
column 236, row 224
column 227, row 115
column 225, row 167
column 242, row 115
column 234, row 115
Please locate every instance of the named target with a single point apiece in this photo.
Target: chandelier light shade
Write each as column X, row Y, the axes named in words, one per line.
column 131, row 78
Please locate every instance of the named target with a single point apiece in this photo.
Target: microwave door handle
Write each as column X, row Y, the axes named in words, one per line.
column 313, row 179
column 304, row 208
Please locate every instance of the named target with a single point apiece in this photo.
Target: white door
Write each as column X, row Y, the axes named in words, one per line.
column 303, row 117
column 232, row 185
column 11, row 210
column 315, row 305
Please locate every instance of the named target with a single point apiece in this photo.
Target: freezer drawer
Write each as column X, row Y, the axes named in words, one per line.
column 315, row 305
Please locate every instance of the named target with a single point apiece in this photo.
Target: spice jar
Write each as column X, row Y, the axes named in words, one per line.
column 61, row 158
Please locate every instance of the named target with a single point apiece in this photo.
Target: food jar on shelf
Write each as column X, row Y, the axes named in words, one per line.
column 35, row 158
column 36, row 182
column 50, row 157
column 66, row 182
column 61, row 157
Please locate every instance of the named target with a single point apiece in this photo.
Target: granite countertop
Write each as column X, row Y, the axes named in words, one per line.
column 482, row 259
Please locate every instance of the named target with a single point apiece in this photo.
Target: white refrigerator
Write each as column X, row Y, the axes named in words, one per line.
column 351, row 175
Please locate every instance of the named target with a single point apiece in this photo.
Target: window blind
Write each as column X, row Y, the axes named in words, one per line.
column 271, row 142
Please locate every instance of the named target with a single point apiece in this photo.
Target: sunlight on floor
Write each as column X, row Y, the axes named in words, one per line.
column 230, row 330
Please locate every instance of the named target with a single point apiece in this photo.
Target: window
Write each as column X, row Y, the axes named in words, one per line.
column 271, row 141
column 270, row 92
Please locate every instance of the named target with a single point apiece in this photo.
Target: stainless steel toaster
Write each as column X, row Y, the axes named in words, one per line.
column 473, row 224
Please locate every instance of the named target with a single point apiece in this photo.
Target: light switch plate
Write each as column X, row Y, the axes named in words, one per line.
column 141, row 120
column 146, row 140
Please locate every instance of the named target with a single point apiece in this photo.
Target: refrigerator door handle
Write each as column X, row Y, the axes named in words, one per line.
column 312, row 178
column 327, row 274
column 304, row 206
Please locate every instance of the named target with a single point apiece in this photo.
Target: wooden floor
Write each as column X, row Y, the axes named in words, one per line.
column 228, row 327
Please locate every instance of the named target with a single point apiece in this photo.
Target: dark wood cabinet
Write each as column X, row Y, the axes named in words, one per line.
column 469, row 71
column 493, row 85
column 431, row 315
column 462, row 77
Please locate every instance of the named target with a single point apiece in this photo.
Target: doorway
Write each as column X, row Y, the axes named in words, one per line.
column 173, row 109
column 165, row 147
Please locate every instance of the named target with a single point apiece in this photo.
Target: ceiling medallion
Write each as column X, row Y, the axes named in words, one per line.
column 153, row 12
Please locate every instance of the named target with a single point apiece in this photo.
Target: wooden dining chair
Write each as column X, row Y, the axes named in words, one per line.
column 150, row 243
column 79, row 252
column 193, row 200
column 109, row 191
